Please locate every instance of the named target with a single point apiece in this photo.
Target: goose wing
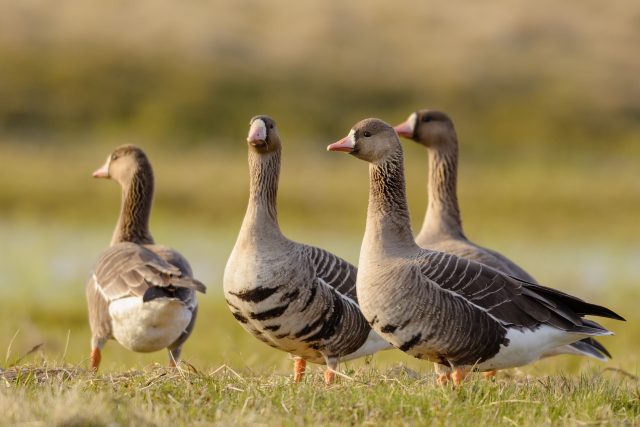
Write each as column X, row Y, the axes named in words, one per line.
column 173, row 257
column 333, row 270
column 509, row 300
column 128, row 269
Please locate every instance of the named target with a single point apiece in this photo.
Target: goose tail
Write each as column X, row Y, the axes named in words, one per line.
column 586, row 347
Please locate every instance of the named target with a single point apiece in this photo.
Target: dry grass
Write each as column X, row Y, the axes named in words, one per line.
column 223, row 396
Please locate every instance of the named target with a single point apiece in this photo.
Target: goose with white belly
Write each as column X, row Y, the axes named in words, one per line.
column 294, row 297
column 442, row 226
column 140, row 294
column 441, row 307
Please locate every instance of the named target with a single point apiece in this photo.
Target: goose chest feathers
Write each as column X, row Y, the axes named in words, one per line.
column 293, row 297
column 140, row 294
column 441, row 307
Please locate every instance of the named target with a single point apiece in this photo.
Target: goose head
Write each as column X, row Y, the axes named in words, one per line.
column 122, row 164
column 371, row 140
column 433, row 129
column 263, row 134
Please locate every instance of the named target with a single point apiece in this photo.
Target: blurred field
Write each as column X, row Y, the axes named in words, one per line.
column 546, row 100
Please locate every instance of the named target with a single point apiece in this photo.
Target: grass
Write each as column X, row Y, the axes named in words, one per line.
column 230, row 378
column 223, row 396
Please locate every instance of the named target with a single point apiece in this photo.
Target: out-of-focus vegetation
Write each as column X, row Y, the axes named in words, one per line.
column 557, row 75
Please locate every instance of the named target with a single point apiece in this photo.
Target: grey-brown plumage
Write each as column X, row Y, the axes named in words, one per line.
column 441, row 307
column 442, row 226
column 297, row 298
column 139, row 293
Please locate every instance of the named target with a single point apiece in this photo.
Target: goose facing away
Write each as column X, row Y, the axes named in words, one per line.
column 442, row 226
column 140, row 294
column 441, row 307
column 294, row 297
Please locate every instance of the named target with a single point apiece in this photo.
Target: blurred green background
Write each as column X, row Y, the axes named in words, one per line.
column 545, row 96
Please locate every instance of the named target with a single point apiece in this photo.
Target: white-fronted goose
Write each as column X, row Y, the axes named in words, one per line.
column 441, row 307
column 296, row 298
column 442, row 226
column 140, row 294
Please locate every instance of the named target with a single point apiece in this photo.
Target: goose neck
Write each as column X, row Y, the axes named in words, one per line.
column 264, row 173
column 443, row 213
column 388, row 223
column 135, row 209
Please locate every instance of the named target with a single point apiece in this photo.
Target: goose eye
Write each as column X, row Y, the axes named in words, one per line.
column 426, row 119
column 367, row 134
column 114, row 156
column 270, row 126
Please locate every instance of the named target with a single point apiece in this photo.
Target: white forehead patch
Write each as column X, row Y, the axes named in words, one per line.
column 351, row 137
column 257, row 131
column 413, row 121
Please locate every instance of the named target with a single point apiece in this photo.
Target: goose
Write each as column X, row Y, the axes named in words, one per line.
column 139, row 293
column 297, row 298
column 442, row 226
column 440, row 307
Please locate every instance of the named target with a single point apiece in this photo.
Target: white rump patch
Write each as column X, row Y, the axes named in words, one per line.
column 372, row 345
column 149, row 326
column 528, row 346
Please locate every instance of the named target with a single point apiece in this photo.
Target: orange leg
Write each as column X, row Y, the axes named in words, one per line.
column 458, row 375
column 299, row 366
column 443, row 379
column 95, row 358
column 329, row 376
column 330, row 372
column 488, row 375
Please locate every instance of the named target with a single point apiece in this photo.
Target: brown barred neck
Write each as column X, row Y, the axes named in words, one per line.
column 137, row 198
column 264, row 173
column 443, row 213
column 388, row 214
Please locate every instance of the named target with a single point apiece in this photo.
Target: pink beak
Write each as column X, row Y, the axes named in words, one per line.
column 257, row 132
column 405, row 129
column 103, row 172
column 346, row 144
